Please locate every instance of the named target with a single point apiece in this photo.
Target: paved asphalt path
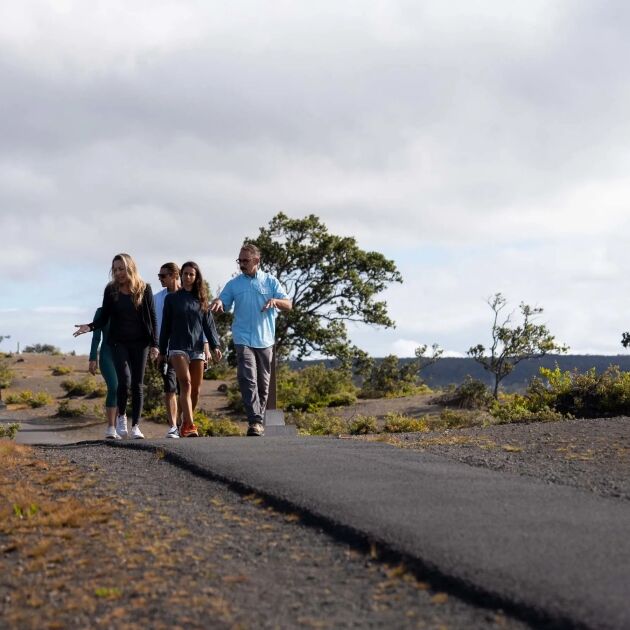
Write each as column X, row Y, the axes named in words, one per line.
column 550, row 552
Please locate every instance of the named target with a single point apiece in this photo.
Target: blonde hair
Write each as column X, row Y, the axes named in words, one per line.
column 136, row 284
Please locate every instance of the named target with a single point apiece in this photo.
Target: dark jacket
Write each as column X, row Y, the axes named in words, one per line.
column 183, row 324
column 146, row 312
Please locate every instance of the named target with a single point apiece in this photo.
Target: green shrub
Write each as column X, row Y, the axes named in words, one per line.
column 362, row 425
column 9, row 431
column 40, row 399
column 314, row 387
column 84, row 387
column 153, row 388
column 516, row 408
column 43, row 348
column 581, row 394
column 6, row 374
column 215, row 427
column 471, row 394
column 399, row 423
column 65, row 410
column 319, row 423
column 235, row 400
column 218, row 371
column 462, row 418
column 61, row 370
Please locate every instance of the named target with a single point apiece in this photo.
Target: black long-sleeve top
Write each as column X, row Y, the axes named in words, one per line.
column 141, row 321
column 183, row 323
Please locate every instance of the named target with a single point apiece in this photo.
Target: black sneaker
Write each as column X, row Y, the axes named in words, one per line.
column 255, row 429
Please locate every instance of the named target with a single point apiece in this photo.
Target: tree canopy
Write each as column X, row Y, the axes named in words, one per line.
column 331, row 281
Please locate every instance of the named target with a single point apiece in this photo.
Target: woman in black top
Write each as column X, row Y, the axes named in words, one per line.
column 185, row 319
column 128, row 306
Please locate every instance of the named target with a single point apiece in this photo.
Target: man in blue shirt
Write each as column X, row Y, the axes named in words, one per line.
column 256, row 296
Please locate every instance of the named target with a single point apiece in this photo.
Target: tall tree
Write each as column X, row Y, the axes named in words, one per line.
column 513, row 344
column 331, row 281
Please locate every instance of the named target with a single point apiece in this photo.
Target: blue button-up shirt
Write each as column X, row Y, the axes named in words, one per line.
column 251, row 326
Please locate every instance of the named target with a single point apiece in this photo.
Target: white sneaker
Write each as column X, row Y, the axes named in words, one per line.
column 111, row 434
column 121, row 426
column 173, row 433
column 136, row 434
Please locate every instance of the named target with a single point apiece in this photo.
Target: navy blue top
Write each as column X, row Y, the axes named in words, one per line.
column 183, row 324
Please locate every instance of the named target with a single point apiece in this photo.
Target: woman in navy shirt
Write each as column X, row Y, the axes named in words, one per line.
column 185, row 319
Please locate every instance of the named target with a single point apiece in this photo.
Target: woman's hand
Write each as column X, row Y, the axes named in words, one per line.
column 92, row 367
column 83, row 328
column 154, row 353
column 217, row 354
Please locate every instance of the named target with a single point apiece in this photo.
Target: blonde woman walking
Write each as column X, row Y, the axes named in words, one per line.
column 128, row 307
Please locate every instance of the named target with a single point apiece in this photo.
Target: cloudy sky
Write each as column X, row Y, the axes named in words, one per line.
column 482, row 145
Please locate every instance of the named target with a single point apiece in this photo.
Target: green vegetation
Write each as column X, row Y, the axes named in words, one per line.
column 43, row 348
column 471, row 394
column 399, row 423
column 9, row 431
column 581, row 394
column 314, row 387
column 389, row 378
column 362, row 425
column 212, row 427
column 87, row 386
column 61, row 370
column 319, row 423
column 33, row 400
column 6, row 375
column 511, row 345
column 66, row 410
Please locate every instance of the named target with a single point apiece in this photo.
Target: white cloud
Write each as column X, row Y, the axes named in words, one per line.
column 493, row 136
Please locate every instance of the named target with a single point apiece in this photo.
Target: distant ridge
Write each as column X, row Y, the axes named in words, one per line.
column 453, row 370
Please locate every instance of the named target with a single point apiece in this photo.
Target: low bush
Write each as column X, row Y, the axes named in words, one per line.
column 218, row 371
column 362, row 425
column 212, row 427
column 319, row 423
column 42, row 348
column 462, row 418
column 314, row 387
column 65, row 410
column 61, row 370
column 471, row 394
column 399, row 423
column 9, row 431
column 581, row 394
column 516, row 408
column 153, row 388
column 87, row 386
column 33, row 400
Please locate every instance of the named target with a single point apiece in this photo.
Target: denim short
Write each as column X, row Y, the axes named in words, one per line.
column 191, row 355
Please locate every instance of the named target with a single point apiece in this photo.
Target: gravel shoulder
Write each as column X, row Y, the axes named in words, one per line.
column 590, row 454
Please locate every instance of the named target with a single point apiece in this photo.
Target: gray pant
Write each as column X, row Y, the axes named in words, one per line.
column 253, row 370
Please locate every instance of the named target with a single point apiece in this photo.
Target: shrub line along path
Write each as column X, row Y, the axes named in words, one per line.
column 553, row 553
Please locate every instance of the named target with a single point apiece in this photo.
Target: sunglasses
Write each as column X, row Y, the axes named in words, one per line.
column 161, row 276
column 243, row 260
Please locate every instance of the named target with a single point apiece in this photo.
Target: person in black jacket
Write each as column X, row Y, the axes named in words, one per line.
column 129, row 309
column 185, row 319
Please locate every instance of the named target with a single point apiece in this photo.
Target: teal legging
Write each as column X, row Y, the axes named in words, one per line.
column 106, row 365
column 106, row 362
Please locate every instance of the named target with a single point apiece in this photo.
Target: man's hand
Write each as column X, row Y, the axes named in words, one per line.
column 216, row 306
column 154, row 353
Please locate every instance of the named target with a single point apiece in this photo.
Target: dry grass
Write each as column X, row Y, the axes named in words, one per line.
column 83, row 556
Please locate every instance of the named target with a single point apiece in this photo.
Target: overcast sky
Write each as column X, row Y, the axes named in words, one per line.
column 484, row 146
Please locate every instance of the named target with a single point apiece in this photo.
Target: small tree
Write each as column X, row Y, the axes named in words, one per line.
column 511, row 345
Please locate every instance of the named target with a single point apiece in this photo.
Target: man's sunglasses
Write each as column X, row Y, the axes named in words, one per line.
column 161, row 276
